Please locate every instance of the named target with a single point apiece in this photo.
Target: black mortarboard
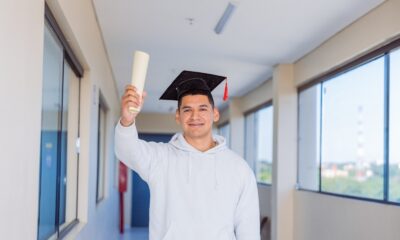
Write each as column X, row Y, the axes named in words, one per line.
column 191, row 81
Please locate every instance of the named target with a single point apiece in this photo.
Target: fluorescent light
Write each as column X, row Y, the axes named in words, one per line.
column 224, row 18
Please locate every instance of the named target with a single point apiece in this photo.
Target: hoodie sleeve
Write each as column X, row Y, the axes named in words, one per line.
column 247, row 215
column 137, row 154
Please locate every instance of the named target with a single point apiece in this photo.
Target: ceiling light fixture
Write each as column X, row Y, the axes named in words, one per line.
column 224, row 18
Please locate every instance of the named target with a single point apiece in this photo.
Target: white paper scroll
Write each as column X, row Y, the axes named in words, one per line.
column 139, row 70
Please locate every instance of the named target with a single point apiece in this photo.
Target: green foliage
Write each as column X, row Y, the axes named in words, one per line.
column 366, row 186
column 394, row 183
column 370, row 188
column 264, row 172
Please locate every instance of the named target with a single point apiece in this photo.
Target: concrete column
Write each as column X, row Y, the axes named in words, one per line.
column 236, row 119
column 284, row 152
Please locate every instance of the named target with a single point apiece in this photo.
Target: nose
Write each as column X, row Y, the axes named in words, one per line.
column 195, row 114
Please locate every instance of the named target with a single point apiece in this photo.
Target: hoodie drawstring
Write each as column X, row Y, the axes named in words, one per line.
column 215, row 172
column 189, row 168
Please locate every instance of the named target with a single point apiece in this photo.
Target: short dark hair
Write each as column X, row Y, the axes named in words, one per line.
column 196, row 92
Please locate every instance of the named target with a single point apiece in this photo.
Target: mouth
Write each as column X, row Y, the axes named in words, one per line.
column 195, row 124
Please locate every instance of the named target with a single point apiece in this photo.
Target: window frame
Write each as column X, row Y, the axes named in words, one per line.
column 253, row 110
column 70, row 58
column 101, row 143
column 68, row 52
column 381, row 51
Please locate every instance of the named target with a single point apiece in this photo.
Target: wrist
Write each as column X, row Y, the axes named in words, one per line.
column 126, row 123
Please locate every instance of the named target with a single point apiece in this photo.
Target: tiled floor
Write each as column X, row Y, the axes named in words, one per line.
column 135, row 234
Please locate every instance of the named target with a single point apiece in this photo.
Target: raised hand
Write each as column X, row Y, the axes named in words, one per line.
column 131, row 98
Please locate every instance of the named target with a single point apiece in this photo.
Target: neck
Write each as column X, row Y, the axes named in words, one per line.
column 201, row 144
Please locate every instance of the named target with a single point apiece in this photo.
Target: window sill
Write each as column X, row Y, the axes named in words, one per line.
column 74, row 232
column 264, row 184
column 349, row 197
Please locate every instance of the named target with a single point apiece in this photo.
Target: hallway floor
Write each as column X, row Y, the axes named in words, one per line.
column 135, row 234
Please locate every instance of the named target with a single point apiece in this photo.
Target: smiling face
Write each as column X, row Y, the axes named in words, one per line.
column 196, row 116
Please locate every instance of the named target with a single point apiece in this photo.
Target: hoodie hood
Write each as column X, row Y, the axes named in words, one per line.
column 180, row 142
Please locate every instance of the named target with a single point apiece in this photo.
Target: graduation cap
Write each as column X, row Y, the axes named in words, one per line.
column 193, row 81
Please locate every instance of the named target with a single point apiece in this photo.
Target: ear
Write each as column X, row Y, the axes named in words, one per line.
column 177, row 117
column 216, row 114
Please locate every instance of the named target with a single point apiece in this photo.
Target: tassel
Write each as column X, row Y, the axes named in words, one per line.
column 226, row 91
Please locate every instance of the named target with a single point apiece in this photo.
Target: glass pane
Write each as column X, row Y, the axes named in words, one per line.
column 352, row 132
column 309, row 137
column 69, row 156
column 50, row 129
column 225, row 131
column 394, row 128
column 250, row 139
column 264, row 130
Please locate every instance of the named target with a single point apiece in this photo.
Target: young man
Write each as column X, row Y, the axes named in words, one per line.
column 200, row 190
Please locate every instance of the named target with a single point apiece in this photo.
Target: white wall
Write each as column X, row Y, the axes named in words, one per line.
column 236, row 120
column 21, row 53
column 325, row 217
column 21, row 60
column 284, row 152
column 319, row 216
column 257, row 97
column 157, row 123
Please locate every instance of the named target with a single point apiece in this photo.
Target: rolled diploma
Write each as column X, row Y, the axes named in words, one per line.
column 139, row 70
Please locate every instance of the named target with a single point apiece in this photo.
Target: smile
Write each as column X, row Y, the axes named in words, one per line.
column 195, row 124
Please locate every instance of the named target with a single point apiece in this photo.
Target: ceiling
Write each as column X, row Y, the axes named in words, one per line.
column 179, row 35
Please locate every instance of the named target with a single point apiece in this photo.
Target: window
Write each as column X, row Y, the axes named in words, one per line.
column 59, row 132
column 352, row 132
column 394, row 127
column 343, row 146
column 259, row 132
column 225, row 131
column 101, row 149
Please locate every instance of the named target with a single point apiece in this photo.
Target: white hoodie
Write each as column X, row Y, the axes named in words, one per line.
column 194, row 195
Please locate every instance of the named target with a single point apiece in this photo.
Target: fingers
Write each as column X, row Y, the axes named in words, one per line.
column 132, row 98
column 131, row 104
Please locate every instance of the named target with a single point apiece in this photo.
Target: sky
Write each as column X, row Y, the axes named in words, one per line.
column 353, row 113
column 265, row 132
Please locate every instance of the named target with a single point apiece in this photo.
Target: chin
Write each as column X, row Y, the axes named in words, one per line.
column 193, row 135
